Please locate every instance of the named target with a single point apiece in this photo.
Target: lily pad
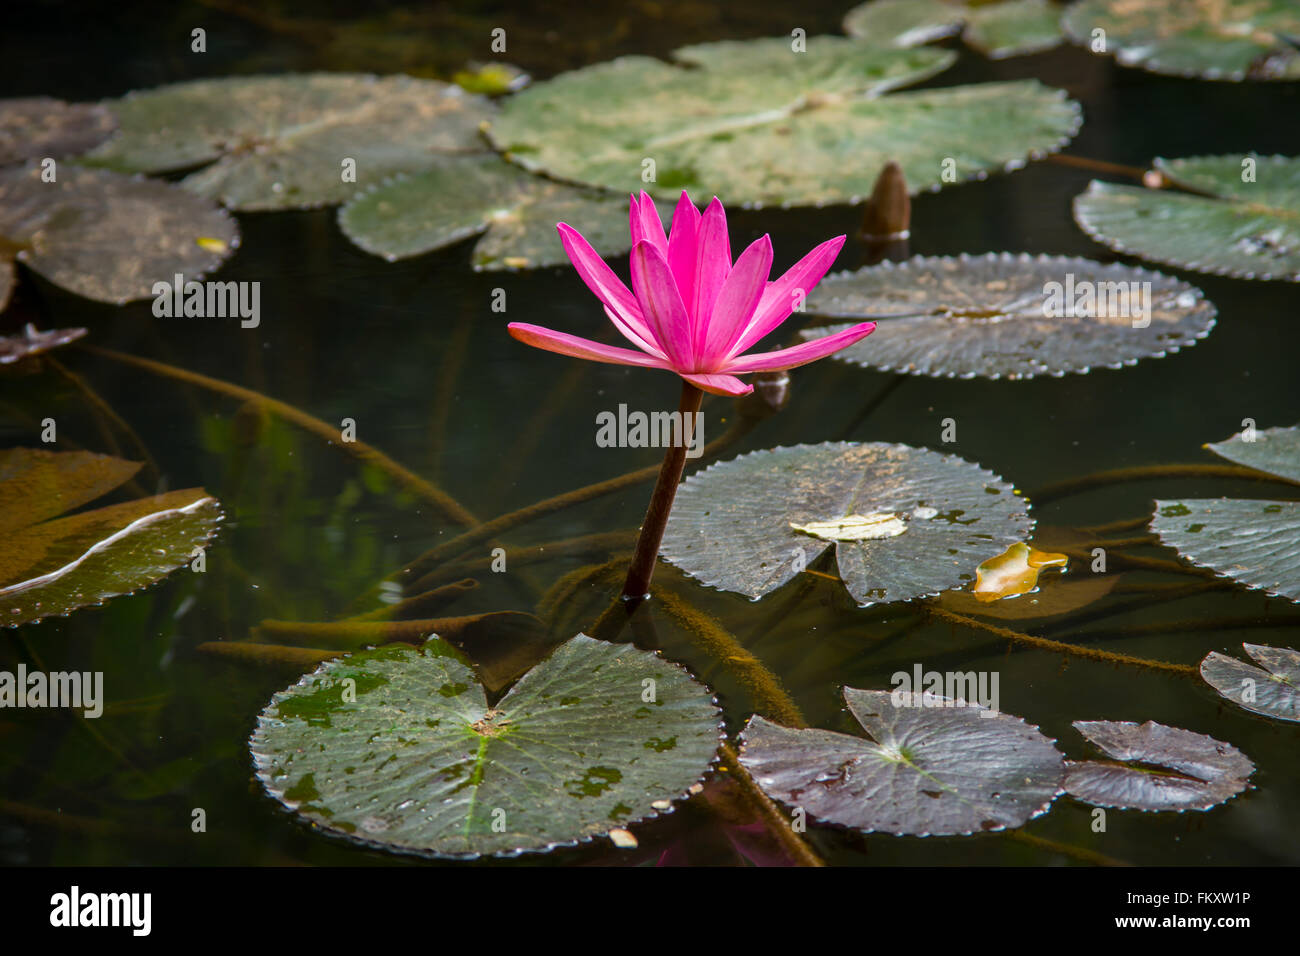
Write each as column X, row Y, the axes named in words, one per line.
column 1223, row 40
column 414, row 760
column 1245, row 229
column 15, row 348
column 40, row 127
column 280, row 142
column 514, row 211
column 107, row 236
column 1272, row 690
column 998, row 30
column 736, row 525
column 53, row 566
column 934, row 767
column 1166, row 768
column 1272, row 450
column 761, row 124
column 1001, row 315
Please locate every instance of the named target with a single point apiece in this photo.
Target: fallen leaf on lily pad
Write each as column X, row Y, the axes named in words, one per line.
column 53, row 566
column 1272, row 689
column 284, row 142
column 397, row 748
column 933, row 767
column 1165, row 768
column 738, row 525
column 40, row 127
column 1248, row 229
column 1014, row 572
column 1002, row 315
column 1219, row 40
column 15, row 348
column 998, row 30
column 107, row 236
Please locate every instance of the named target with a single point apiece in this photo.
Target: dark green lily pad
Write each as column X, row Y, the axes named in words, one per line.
column 1272, row 690
column 1224, row 40
column 1166, row 768
column 53, row 566
column 937, row 517
column 463, row 196
column 1272, row 450
column 15, row 348
column 737, row 118
column 279, row 142
column 107, row 236
column 998, row 30
column 1256, row 543
column 938, row 769
column 40, row 127
column 419, row 763
column 986, row 315
column 1249, row 230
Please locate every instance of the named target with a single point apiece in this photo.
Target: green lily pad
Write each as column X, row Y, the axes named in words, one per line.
column 992, row 315
column 934, row 767
column 1224, row 40
column 1272, row 690
column 280, row 142
column 761, row 124
column 1272, row 450
column 1167, row 768
column 998, row 30
column 514, row 211
column 1249, row 230
column 107, row 236
column 15, row 348
column 414, row 760
column 732, row 526
column 53, row 566
column 40, row 127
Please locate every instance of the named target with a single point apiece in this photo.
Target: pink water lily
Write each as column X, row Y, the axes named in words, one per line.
column 690, row 309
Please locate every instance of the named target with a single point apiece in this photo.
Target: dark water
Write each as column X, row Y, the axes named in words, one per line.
column 412, row 352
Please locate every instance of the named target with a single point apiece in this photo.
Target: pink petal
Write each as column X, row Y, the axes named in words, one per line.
column 779, row 300
column 566, row 344
column 662, row 306
column 719, row 384
column 739, row 296
column 681, row 243
column 644, row 223
column 712, row 266
column 631, row 335
column 799, row 354
column 601, row 280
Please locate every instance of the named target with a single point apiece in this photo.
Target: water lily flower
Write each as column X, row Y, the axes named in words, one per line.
column 691, row 310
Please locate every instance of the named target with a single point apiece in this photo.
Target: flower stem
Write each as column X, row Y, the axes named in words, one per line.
column 637, row 585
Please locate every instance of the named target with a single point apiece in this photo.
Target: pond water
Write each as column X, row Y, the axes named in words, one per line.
column 413, row 353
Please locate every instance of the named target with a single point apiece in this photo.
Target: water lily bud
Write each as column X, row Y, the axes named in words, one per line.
column 889, row 210
column 770, row 395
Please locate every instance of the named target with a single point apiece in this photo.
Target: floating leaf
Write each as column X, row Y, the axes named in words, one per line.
column 281, row 142
column 1183, row 770
column 1222, row 40
column 1054, row 596
column 762, row 124
column 1256, row 543
column 416, row 761
column 491, row 79
column 1014, row 572
column 998, row 30
column 1272, row 450
column 734, row 525
column 15, row 348
column 937, row 767
column 53, row 567
column 40, row 127
column 1001, row 315
column 1249, row 230
column 107, row 236
column 1272, row 690
column 463, row 196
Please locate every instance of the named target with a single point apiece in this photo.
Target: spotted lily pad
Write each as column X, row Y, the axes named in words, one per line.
column 397, row 747
column 1272, row 689
column 15, row 348
column 1165, row 768
column 741, row 119
column 934, row 766
column 998, row 30
column 1254, row 542
column 1220, row 40
column 1001, row 315
column 107, row 236
column 741, row 525
column 53, row 566
column 1246, row 228
column 39, row 127
column 282, row 142
column 514, row 211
